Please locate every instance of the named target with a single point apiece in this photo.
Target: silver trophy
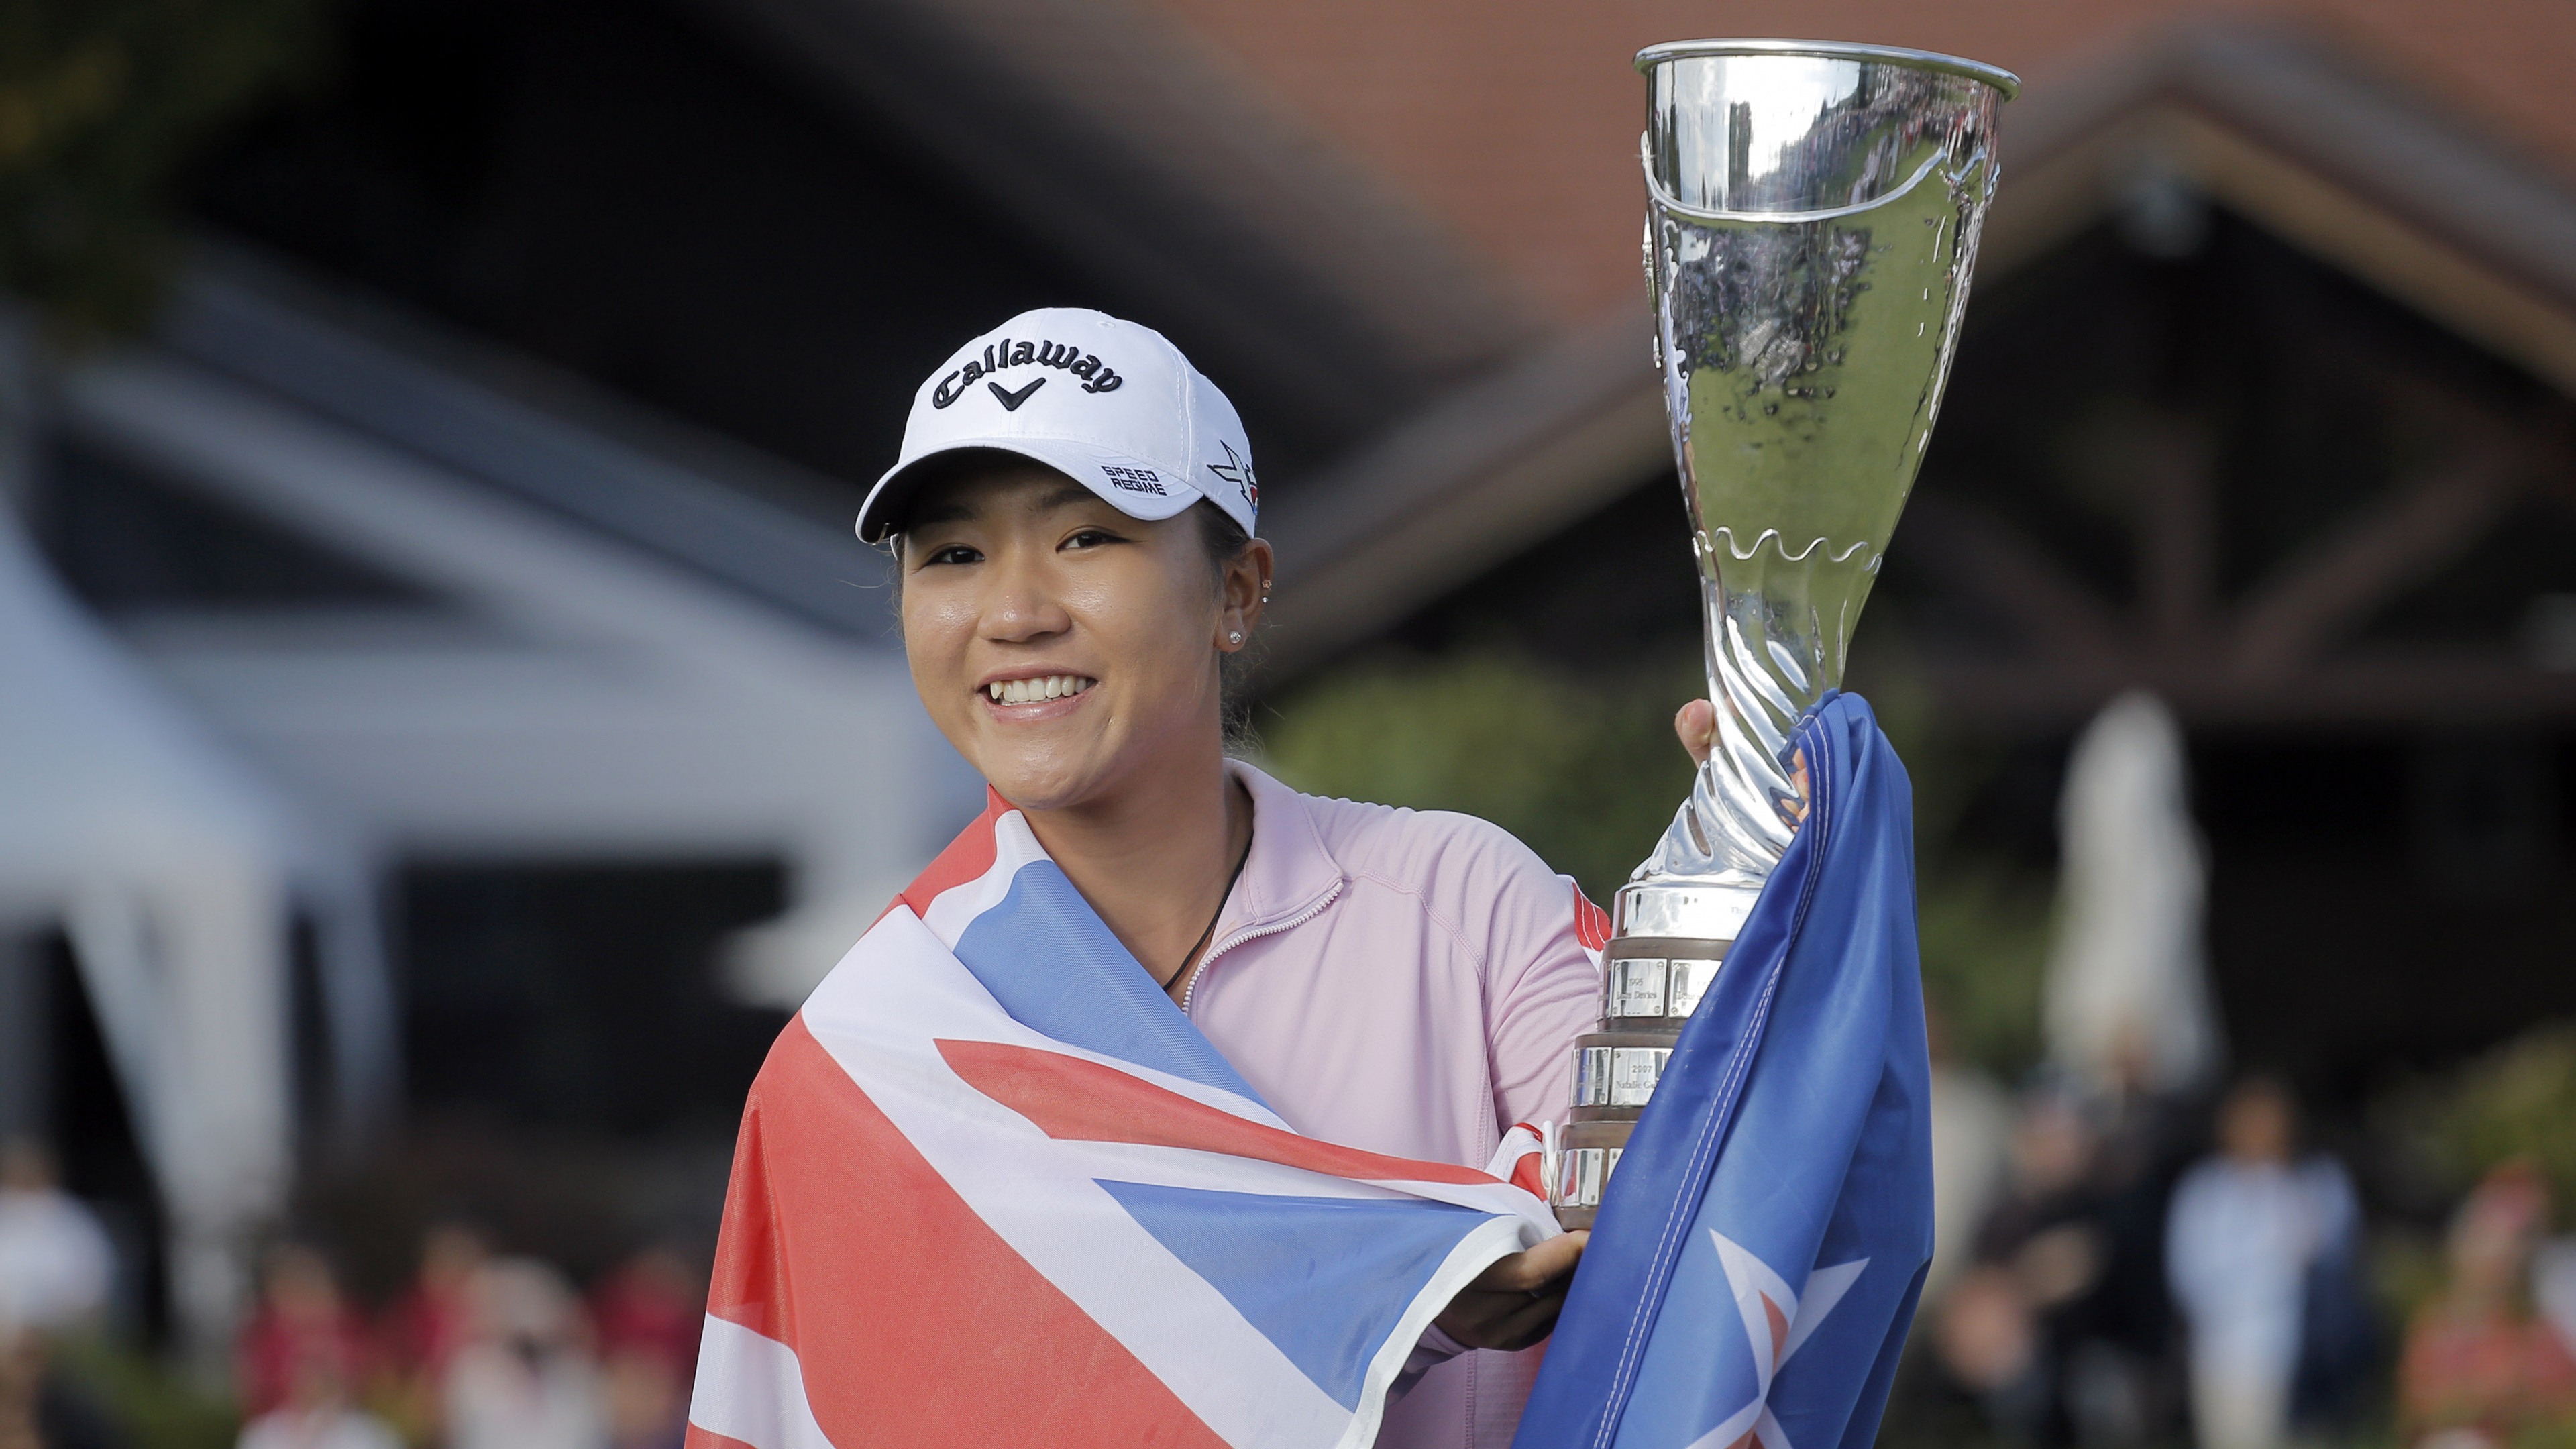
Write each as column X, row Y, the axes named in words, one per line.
column 1811, row 222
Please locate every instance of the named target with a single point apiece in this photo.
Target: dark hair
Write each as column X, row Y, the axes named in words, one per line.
column 1225, row 541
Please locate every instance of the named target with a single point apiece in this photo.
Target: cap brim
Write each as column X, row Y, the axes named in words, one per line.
column 1129, row 484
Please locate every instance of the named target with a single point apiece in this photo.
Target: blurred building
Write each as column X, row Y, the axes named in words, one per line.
column 485, row 494
column 445, row 752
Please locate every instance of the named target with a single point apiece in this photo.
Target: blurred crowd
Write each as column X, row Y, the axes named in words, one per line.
column 478, row 1350
column 2127, row 1268
column 56, row 1269
column 2115, row 1268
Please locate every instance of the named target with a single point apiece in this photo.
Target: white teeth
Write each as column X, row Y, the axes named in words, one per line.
column 1033, row 691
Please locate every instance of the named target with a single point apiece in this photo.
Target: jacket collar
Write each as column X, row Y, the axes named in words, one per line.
column 1287, row 872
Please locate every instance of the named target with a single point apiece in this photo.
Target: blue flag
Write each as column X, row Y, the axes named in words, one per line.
column 1760, row 1250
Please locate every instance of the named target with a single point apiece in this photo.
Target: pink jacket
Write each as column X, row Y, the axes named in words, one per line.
column 1407, row 982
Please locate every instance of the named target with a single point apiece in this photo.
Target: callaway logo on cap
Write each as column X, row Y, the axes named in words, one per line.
column 1109, row 403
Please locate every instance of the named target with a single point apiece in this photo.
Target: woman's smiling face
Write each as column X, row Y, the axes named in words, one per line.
column 1059, row 644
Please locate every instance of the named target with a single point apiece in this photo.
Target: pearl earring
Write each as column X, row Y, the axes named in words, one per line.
column 1234, row 638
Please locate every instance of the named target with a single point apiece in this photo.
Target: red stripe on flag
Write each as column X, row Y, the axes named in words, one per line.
column 1526, row 1167
column 709, row 1439
column 1082, row 1101
column 1591, row 923
column 912, row 1321
column 968, row 856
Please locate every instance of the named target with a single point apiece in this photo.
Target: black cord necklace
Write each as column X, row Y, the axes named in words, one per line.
column 1201, row 943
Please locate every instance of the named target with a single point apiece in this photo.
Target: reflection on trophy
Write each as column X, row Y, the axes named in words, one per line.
column 1812, row 219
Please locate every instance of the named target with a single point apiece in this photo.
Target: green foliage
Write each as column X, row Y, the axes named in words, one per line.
column 154, row 1404
column 1585, row 772
column 2406, row 1272
column 1984, row 932
column 2517, row 1101
column 1946, row 768
column 1983, row 925
column 101, row 103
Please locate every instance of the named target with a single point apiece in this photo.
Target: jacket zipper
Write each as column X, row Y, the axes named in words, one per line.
column 1274, row 928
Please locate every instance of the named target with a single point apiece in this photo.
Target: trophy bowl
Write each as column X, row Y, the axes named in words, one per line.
column 1811, row 224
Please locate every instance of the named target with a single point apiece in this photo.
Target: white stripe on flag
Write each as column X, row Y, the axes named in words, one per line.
column 954, row 909
column 751, row 1388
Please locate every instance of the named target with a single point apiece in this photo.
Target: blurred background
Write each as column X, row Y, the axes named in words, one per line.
column 446, row 723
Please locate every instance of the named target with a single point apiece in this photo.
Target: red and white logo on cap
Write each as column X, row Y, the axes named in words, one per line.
column 1109, row 403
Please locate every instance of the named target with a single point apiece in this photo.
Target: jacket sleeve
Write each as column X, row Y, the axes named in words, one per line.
column 1543, row 985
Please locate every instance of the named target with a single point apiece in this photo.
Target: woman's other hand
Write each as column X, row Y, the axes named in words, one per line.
column 1696, row 723
column 1514, row 1303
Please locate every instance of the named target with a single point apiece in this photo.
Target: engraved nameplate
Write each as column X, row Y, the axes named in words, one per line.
column 1637, row 986
column 1633, row 1072
column 1688, row 981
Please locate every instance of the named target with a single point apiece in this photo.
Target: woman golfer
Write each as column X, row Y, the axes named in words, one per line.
column 1073, row 518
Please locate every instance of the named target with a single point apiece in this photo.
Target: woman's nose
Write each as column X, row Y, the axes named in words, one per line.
column 1022, row 608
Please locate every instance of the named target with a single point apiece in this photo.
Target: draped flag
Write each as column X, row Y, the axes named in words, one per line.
column 992, row 1187
column 1759, row 1251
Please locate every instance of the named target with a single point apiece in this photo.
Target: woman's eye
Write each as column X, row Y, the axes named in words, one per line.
column 1091, row 538
column 955, row 553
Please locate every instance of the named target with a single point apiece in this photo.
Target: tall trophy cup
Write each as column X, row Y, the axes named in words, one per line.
column 1812, row 211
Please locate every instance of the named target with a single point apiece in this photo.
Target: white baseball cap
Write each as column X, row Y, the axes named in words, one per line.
column 1109, row 403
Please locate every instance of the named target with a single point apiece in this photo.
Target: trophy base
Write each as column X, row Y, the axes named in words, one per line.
column 1590, row 1152
column 1604, row 1114
column 1619, row 1067
column 1652, row 982
column 1703, row 908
